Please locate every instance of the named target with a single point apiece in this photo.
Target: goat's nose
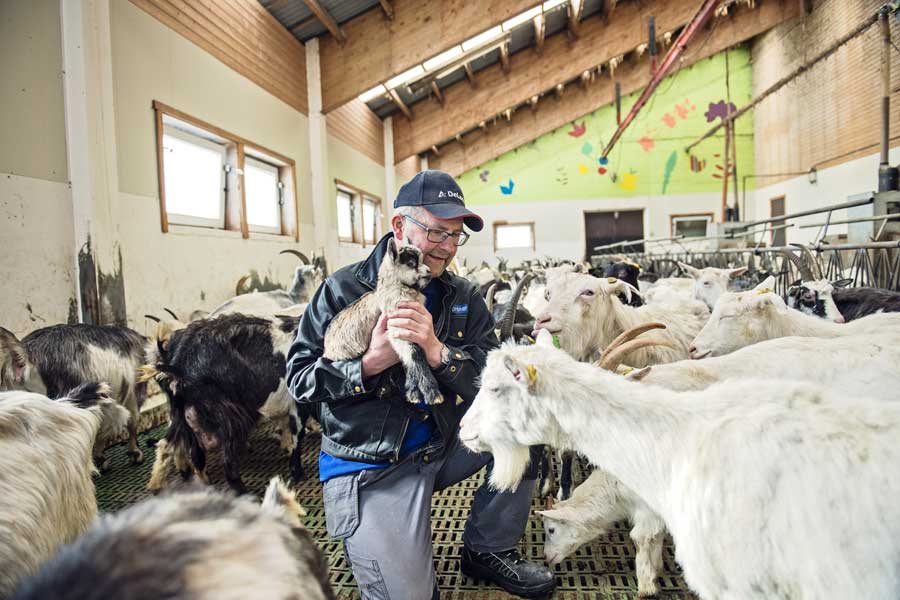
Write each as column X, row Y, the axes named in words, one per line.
column 839, row 319
column 542, row 320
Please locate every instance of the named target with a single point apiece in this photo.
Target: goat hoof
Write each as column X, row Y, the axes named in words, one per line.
column 102, row 463
column 137, row 456
column 151, row 443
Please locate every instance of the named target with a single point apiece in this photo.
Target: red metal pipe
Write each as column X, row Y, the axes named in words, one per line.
column 706, row 11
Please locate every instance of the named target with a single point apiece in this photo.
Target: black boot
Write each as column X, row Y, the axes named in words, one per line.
column 509, row 570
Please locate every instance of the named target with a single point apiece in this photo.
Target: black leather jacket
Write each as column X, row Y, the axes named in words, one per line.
column 367, row 420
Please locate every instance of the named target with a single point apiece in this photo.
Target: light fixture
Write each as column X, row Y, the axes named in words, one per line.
column 442, row 58
column 521, row 18
column 482, row 38
column 813, row 175
column 416, row 71
column 373, row 93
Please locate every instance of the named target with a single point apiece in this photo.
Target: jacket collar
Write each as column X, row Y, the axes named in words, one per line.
column 367, row 273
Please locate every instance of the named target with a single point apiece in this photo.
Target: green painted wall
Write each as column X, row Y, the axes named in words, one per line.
column 648, row 160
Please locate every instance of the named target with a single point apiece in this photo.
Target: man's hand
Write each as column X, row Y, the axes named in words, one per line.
column 381, row 354
column 412, row 322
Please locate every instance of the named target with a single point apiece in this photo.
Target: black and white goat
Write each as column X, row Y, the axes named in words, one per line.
column 815, row 295
column 628, row 272
column 46, row 491
column 194, row 545
column 220, row 375
column 55, row 359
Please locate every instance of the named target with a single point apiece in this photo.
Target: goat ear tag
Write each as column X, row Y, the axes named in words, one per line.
column 532, row 374
column 762, row 291
column 611, row 280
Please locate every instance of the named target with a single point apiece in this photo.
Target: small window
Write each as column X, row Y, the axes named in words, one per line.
column 690, row 226
column 195, row 178
column 513, row 235
column 371, row 220
column 263, row 196
column 345, row 214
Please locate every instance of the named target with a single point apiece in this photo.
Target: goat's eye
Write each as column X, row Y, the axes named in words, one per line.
column 706, row 283
column 587, row 293
column 547, row 295
column 551, row 531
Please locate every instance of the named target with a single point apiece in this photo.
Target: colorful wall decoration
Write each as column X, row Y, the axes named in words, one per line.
column 649, row 160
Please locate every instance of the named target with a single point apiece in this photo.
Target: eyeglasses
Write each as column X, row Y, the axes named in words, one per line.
column 437, row 236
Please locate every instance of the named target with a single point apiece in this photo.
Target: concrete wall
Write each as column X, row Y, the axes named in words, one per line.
column 37, row 260
column 190, row 267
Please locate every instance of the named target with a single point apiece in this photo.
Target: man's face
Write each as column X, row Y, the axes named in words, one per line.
column 437, row 256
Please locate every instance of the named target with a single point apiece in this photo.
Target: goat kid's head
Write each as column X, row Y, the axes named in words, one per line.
column 576, row 307
column 739, row 319
column 510, row 412
column 17, row 372
column 710, row 282
column 404, row 264
column 817, row 298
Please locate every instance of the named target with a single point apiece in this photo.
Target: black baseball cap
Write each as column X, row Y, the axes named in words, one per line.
column 438, row 193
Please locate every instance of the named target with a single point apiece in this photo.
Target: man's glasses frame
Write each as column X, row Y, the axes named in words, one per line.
column 437, row 236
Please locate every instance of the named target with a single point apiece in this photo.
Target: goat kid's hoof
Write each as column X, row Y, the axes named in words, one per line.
column 137, row 456
column 102, row 464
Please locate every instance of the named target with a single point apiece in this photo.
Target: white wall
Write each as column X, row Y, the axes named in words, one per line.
column 559, row 224
column 188, row 267
column 833, row 186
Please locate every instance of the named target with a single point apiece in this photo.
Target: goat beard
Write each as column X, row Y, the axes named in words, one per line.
column 509, row 466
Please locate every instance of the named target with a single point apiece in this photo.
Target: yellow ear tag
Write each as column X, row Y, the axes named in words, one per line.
column 627, row 370
column 611, row 280
column 764, row 291
column 532, row 374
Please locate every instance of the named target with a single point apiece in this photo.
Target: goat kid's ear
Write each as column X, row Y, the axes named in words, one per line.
column 735, row 272
column 562, row 514
column 526, row 374
column 638, row 374
column 392, row 248
column 766, row 285
column 13, row 348
column 692, row 272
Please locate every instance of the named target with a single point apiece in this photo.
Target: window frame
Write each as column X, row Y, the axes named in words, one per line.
column 498, row 224
column 710, row 219
column 210, row 144
column 250, row 159
column 357, row 215
column 237, row 150
column 378, row 218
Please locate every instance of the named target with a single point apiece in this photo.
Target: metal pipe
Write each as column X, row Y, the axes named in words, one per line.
column 703, row 15
column 885, row 84
column 817, row 248
column 857, row 220
column 814, row 211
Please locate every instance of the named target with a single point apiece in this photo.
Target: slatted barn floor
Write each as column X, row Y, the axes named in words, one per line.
column 601, row 570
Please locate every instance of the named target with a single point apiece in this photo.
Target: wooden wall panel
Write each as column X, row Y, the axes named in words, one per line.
column 405, row 169
column 376, row 49
column 360, row 128
column 831, row 114
column 244, row 36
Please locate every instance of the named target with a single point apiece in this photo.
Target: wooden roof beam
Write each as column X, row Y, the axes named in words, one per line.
column 574, row 10
column 528, row 125
column 504, row 57
column 563, row 61
column 400, row 104
column 387, row 8
column 437, row 92
column 327, row 20
column 539, row 26
column 470, row 75
column 377, row 49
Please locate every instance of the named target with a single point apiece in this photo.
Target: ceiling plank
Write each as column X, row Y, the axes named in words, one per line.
column 377, row 49
column 562, row 61
column 528, row 125
column 400, row 104
column 327, row 20
column 388, row 9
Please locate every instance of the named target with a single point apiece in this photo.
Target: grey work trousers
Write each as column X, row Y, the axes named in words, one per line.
column 383, row 517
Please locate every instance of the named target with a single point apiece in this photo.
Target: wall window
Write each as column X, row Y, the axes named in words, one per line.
column 195, row 178
column 513, row 235
column 359, row 215
column 690, row 226
column 209, row 177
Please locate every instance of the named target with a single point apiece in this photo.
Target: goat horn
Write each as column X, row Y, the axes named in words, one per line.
column 805, row 273
column 174, row 316
column 630, row 334
column 303, row 258
column 612, row 360
column 240, row 284
column 153, row 318
column 812, row 261
column 489, row 298
column 509, row 317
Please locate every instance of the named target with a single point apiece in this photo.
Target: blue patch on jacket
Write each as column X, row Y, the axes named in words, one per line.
column 459, row 309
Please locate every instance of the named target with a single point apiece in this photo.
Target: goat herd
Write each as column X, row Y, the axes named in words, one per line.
column 759, row 432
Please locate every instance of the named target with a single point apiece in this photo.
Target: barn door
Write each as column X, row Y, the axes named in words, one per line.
column 601, row 228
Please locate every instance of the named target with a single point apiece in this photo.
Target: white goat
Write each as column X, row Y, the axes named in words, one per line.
column 744, row 318
column 46, row 492
column 195, row 545
column 710, row 282
column 594, row 507
column 807, row 476
column 585, row 314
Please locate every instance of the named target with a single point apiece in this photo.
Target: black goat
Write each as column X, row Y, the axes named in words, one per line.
column 55, row 359
column 219, row 376
column 627, row 272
